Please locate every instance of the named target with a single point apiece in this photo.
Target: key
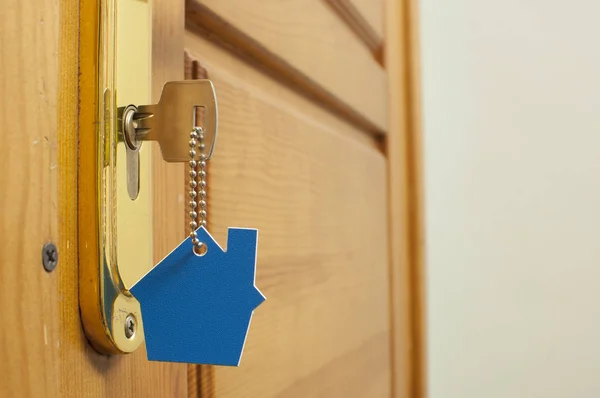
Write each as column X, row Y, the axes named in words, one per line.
column 196, row 305
column 169, row 121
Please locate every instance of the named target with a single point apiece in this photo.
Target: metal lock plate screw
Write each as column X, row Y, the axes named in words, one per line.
column 130, row 326
column 49, row 256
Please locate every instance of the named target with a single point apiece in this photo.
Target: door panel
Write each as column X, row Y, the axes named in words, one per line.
column 306, row 41
column 316, row 189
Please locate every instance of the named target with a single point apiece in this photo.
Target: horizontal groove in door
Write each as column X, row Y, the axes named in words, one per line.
column 304, row 44
column 215, row 62
column 363, row 20
column 372, row 11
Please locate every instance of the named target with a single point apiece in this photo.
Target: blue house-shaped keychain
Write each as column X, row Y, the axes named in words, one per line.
column 197, row 308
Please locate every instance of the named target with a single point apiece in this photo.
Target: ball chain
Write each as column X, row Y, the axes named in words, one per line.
column 197, row 188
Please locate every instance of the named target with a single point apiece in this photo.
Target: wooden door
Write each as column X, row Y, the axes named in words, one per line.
column 316, row 149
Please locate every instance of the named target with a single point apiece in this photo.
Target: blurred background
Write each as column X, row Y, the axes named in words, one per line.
column 511, row 157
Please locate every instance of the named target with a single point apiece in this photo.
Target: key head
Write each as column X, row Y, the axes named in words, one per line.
column 171, row 120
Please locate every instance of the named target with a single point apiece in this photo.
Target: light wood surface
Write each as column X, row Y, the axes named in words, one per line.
column 205, row 53
column 170, row 200
column 29, row 89
column 365, row 19
column 317, row 193
column 306, row 43
column 405, row 200
column 373, row 12
column 169, row 184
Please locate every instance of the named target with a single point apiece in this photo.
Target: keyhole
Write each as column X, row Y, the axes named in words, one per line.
column 132, row 149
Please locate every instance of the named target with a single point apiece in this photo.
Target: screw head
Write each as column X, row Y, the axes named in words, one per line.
column 49, row 256
column 130, row 326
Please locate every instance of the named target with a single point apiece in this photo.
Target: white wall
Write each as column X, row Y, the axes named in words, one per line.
column 512, row 177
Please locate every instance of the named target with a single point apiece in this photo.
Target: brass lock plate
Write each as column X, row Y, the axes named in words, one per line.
column 115, row 210
column 118, row 135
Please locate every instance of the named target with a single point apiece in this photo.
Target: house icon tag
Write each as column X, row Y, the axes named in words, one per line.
column 197, row 308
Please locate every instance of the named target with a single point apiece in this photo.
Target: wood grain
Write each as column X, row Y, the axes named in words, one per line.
column 169, row 207
column 307, row 46
column 170, row 198
column 405, row 200
column 362, row 21
column 29, row 88
column 205, row 53
column 317, row 193
column 201, row 380
column 373, row 11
